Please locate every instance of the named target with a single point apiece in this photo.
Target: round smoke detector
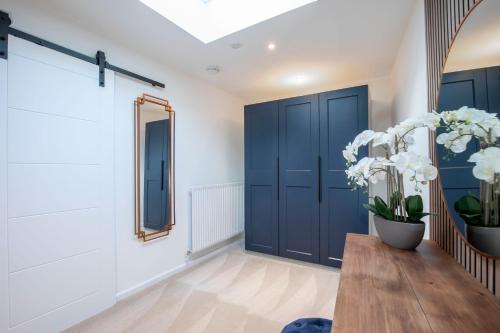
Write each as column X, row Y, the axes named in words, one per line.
column 213, row 69
column 236, row 45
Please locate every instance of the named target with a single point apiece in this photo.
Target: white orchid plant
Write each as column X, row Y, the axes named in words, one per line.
column 460, row 127
column 397, row 165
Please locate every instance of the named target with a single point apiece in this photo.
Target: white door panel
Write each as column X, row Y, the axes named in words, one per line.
column 56, row 204
column 50, row 188
column 47, row 56
column 4, row 257
column 45, row 139
column 52, row 90
column 27, row 249
column 41, row 289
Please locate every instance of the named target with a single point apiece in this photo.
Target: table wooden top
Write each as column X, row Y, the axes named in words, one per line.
column 383, row 289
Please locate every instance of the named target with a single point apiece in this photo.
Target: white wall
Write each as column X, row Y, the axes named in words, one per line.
column 409, row 84
column 409, row 74
column 209, row 145
column 380, row 119
column 209, row 142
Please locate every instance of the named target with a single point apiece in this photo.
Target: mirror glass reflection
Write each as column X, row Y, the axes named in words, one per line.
column 154, row 139
column 154, row 194
column 471, row 79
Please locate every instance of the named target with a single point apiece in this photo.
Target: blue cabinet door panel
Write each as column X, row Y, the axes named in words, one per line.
column 260, row 230
column 298, row 178
column 261, row 177
column 343, row 114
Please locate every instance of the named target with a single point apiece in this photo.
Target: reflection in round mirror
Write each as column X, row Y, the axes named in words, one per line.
column 472, row 80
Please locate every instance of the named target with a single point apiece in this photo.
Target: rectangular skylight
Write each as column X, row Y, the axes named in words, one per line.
column 209, row 20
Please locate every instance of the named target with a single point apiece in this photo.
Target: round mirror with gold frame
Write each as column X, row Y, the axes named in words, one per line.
column 469, row 100
column 154, row 133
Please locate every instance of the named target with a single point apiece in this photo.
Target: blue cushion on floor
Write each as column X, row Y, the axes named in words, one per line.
column 309, row 325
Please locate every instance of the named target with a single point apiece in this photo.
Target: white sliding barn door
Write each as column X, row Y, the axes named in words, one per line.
column 56, row 190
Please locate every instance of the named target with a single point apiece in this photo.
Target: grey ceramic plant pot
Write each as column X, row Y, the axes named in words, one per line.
column 485, row 239
column 404, row 236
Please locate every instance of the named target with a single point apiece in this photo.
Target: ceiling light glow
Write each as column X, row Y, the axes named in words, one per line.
column 298, row 80
column 210, row 20
column 271, row 46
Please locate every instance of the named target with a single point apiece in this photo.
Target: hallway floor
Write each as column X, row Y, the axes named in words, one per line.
column 233, row 292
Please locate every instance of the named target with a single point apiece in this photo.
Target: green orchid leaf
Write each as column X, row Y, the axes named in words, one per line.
column 417, row 217
column 469, row 209
column 379, row 207
column 371, row 208
column 380, row 203
column 468, row 204
column 382, row 208
column 414, row 204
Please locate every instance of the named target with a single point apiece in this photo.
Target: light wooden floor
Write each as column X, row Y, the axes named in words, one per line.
column 235, row 291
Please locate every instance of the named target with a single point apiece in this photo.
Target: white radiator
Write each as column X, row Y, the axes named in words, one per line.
column 217, row 214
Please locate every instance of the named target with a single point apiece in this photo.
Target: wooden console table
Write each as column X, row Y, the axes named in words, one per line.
column 383, row 289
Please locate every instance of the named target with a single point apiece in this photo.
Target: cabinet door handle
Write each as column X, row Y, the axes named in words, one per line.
column 162, row 173
column 278, row 177
column 319, row 178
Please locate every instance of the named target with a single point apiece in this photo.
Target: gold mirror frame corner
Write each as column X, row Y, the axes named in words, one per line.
column 138, row 232
column 444, row 19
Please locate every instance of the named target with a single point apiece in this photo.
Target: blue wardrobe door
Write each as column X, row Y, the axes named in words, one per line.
column 261, row 177
column 343, row 114
column 299, row 178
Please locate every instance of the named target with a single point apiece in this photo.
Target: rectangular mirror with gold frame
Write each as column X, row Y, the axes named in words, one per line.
column 154, row 133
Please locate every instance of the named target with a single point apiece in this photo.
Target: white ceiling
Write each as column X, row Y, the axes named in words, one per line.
column 325, row 44
column 478, row 42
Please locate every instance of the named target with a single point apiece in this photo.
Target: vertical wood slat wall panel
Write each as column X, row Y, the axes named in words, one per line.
column 443, row 19
column 497, row 277
column 484, row 271
column 478, row 267
column 491, row 274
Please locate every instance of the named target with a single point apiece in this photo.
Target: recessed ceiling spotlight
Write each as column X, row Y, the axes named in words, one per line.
column 213, row 69
column 271, row 46
column 236, row 45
